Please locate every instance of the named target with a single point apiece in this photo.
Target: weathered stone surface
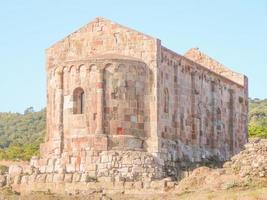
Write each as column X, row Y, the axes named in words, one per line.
column 76, row 177
column 124, row 108
column 25, row 179
column 252, row 162
column 41, row 178
column 17, row 179
column 68, row 178
column 143, row 96
column 49, row 178
column 57, row 178
column 2, row 180
column 15, row 170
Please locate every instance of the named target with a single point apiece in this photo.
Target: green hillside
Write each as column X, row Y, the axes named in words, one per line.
column 21, row 134
column 258, row 118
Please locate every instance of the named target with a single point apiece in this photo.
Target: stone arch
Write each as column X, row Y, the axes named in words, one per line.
column 107, row 64
column 81, row 66
column 54, row 70
column 65, row 72
column 93, row 67
column 72, row 67
column 58, row 75
column 121, row 67
column 65, row 69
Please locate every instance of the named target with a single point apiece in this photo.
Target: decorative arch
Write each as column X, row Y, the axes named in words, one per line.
column 93, row 67
column 107, row 64
column 65, row 69
column 71, row 68
column 81, row 67
column 78, row 101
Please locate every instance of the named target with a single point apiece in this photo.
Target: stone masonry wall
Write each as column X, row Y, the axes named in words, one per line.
column 111, row 88
column 206, row 114
column 99, row 37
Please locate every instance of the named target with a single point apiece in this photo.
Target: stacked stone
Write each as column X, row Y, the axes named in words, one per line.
column 252, row 162
column 128, row 165
column 111, row 166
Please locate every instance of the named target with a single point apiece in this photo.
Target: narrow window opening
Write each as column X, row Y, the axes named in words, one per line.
column 219, row 114
column 166, row 100
column 78, row 101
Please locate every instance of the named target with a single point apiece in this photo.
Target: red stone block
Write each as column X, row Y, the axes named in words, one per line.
column 141, row 126
column 97, row 43
column 120, row 131
column 107, row 109
column 99, row 85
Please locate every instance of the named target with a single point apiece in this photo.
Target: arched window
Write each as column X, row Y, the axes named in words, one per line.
column 78, row 101
column 166, row 100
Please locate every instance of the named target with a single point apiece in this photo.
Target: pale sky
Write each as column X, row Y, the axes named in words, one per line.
column 234, row 32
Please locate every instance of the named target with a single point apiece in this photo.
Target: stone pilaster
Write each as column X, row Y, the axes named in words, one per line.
column 59, row 114
column 99, row 91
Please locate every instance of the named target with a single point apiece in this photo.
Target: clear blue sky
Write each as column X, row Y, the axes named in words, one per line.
column 232, row 31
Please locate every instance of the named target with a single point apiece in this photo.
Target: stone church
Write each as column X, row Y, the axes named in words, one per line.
column 121, row 105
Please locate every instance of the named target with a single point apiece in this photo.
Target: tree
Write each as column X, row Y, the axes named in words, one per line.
column 28, row 110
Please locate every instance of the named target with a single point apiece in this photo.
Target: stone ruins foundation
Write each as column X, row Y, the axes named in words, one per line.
column 120, row 106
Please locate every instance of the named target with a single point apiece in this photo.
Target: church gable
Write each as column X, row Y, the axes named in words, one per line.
column 102, row 36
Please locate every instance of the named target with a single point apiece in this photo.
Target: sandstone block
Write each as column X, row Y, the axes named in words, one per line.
column 68, row 178
column 84, row 178
column 25, row 179
column 42, row 169
column 137, row 169
column 17, row 179
column 49, row 178
column 138, row 185
column 129, row 185
column 58, row 178
column 41, row 178
column 32, row 178
column 104, row 179
column 158, row 185
column 15, row 170
column 76, row 177
column 104, row 158
column 70, row 168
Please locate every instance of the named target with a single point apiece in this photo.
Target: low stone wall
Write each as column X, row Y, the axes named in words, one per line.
column 138, row 173
column 86, row 188
column 117, row 165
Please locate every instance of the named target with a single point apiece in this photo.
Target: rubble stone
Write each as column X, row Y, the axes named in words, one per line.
column 2, row 180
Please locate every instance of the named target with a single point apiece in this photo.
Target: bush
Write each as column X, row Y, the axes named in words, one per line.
column 3, row 169
column 257, row 131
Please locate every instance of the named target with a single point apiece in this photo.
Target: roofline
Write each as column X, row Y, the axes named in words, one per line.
column 94, row 20
column 203, row 67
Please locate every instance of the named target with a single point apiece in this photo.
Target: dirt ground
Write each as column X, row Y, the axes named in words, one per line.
column 230, row 194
